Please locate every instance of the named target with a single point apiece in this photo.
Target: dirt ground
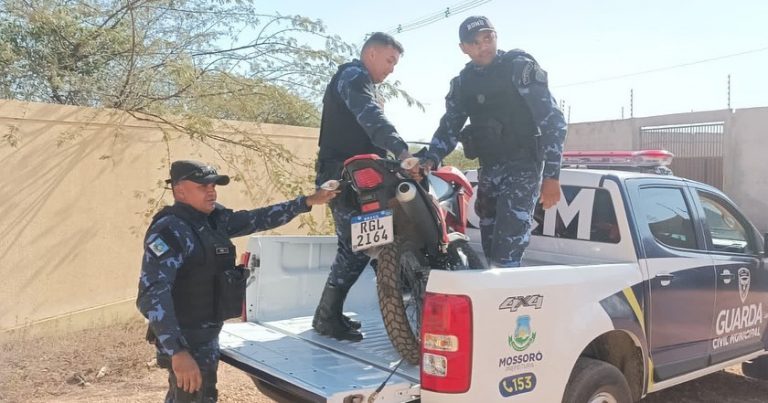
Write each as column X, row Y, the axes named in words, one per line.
column 115, row 365
column 100, row 365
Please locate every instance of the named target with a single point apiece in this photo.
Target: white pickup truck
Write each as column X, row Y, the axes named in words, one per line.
column 633, row 283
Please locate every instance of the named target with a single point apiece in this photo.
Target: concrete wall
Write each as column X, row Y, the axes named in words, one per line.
column 746, row 164
column 744, row 172
column 624, row 134
column 77, row 185
column 606, row 135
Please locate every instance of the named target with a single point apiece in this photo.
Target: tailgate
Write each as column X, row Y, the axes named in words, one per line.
column 290, row 356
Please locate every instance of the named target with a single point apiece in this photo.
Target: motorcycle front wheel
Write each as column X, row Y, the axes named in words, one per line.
column 401, row 279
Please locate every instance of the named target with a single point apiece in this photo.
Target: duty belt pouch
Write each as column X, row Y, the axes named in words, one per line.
column 230, row 292
column 488, row 140
column 150, row 336
column 535, row 146
column 466, row 136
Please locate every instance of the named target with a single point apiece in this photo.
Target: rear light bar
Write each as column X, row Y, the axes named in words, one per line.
column 446, row 345
column 367, row 178
column 642, row 158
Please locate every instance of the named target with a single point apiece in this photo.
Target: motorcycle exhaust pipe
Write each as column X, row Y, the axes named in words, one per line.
column 417, row 211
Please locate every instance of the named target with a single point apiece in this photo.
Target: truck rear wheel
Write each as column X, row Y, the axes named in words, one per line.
column 595, row 381
column 756, row 368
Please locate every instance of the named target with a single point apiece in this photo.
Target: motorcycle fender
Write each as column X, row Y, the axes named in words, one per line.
column 373, row 252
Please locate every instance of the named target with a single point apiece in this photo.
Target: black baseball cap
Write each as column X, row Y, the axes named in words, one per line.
column 472, row 25
column 196, row 172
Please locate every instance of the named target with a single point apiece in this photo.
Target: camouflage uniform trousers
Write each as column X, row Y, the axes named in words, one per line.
column 206, row 356
column 506, row 197
column 347, row 265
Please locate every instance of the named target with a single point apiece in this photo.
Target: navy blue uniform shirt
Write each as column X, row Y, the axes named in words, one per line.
column 161, row 262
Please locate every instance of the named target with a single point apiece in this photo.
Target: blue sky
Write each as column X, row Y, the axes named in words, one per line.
column 575, row 41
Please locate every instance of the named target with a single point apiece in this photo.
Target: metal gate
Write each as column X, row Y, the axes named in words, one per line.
column 698, row 149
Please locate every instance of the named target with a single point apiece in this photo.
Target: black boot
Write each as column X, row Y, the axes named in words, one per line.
column 329, row 320
column 351, row 323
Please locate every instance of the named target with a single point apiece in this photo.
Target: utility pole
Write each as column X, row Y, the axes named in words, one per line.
column 729, row 92
column 632, row 103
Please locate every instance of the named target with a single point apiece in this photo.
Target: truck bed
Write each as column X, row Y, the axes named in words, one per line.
column 277, row 346
column 290, row 356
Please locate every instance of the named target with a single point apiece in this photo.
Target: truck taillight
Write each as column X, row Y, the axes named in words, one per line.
column 446, row 343
column 245, row 260
column 367, row 178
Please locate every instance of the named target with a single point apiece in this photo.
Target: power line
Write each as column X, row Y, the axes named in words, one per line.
column 436, row 16
column 598, row 80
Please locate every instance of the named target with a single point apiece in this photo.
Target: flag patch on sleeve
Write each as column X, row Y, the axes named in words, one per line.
column 158, row 247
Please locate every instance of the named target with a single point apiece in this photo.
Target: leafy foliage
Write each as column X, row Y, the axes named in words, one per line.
column 180, row 63
column 457, row 159
column 167, row 57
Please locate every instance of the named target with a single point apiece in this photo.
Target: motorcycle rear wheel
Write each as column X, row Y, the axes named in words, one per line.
column 401, row 278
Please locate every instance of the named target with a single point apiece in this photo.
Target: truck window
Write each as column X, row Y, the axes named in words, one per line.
column 726, row 231
column 668, row 217
column 570, row 216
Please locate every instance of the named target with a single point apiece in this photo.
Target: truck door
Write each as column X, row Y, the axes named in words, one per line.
column 680, row 277
column 742, row 280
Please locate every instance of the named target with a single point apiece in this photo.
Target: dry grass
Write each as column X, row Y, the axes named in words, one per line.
column 99, row 365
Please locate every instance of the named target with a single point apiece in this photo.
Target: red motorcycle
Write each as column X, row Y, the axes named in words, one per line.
column 410, row 230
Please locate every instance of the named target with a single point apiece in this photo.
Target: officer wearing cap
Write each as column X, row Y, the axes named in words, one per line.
column 516, row 131
column 353, row 123
column 189, row 283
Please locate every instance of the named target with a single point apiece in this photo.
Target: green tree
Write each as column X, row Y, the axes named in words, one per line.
column 178, row 62
column 163, row 56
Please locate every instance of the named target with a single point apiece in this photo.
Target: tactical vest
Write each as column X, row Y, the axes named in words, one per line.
column 341, row 136
column 502, row 126
column 196, row 297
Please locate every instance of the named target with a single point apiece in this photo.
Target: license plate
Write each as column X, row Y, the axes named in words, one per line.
column 372, row 229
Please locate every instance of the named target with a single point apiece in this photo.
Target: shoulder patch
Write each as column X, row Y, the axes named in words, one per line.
column 158, row 246
column 528, row 73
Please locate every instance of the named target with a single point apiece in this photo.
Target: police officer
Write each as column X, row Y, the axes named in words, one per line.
column 189, row 282
column 516, row 131
column 353, row 123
